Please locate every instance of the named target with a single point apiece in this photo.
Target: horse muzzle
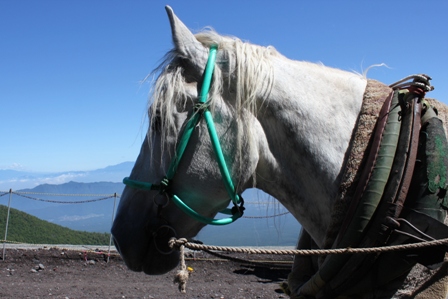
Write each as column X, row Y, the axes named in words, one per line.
column 146, row 247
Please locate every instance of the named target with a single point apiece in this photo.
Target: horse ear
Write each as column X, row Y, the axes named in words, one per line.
column 186, row 43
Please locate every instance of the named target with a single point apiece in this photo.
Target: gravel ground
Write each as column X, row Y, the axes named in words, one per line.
column 78, row 272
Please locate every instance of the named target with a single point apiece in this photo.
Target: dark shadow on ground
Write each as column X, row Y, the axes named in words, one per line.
column 267, row 274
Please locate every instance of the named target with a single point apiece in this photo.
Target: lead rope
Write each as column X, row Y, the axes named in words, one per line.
column 183, row 274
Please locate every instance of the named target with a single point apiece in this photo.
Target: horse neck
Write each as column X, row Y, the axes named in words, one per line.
column 306, row 125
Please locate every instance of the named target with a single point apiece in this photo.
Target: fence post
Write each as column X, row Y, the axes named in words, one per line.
column 112, row 223
column 7, row 223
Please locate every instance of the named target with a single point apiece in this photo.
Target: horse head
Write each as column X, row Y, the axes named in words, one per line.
column 147, row 217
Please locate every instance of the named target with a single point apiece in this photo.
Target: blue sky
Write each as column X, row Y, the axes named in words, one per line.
column 71, row 72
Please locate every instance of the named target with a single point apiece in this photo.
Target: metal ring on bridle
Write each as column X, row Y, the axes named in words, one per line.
column 162, row 204
column 154, row 234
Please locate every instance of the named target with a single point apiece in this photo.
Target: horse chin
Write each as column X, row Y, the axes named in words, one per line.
column 152, row 260
column 157, row 263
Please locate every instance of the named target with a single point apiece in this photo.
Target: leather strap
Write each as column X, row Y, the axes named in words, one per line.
column 358, row 267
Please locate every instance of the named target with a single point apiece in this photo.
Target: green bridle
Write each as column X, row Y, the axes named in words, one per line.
column 201, row 110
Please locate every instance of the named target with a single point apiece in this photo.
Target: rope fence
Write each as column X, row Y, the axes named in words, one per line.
column 64, row 202
column 40, row 197
column 27, row 195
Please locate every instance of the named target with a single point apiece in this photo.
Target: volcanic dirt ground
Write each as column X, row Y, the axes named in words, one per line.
column 61, row 273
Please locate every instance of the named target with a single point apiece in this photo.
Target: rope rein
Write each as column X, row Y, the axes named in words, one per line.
column 182, row 242
column 183, row 274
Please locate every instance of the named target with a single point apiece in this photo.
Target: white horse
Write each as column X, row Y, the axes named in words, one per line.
column 284, row 126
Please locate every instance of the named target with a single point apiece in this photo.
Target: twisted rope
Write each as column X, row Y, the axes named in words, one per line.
column 266, row 264
column 305, row 252
column 22, row 194
column 59, row 194
column 182, row 275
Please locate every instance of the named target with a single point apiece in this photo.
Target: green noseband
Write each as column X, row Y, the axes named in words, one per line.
column 237, row 211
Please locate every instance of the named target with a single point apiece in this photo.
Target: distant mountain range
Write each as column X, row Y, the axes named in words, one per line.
column 15, row 180
column 95, row 214
column 79, row 206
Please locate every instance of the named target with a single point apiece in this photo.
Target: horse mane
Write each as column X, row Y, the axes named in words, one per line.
column 249, row 65
column 244, row 67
